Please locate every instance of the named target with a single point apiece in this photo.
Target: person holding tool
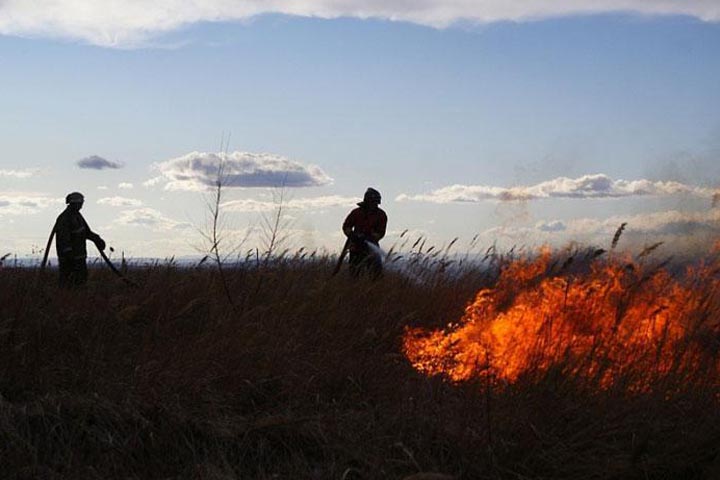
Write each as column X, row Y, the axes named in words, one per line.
column 72, row 232
column 364, row 227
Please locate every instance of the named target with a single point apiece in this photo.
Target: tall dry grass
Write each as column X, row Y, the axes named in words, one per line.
column 303, row 377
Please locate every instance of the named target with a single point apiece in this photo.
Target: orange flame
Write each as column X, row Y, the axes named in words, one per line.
column 616, row 321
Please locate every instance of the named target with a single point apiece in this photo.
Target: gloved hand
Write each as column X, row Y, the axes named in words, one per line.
column 100, row 244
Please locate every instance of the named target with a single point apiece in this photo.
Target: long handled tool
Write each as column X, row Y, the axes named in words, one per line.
column 102, row 255
column 47, row 249
column 115, row 270
column 342, row 256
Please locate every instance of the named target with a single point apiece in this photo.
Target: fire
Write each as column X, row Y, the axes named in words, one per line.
column 612, row 320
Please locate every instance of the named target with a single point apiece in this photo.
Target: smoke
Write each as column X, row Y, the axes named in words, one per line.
column 684, row 232
column 378, row 253
column 700, row 167
column 552, row 226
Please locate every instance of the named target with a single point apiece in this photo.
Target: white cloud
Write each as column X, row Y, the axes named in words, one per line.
column 119, row 202
column 587, row 186
column 149, row 218
column 312, row 203
column 198, row 171
column 127, row 23
column 23, row 173
column 154, row 181
column 23, row 203
column 125, row 186
column 102, row 187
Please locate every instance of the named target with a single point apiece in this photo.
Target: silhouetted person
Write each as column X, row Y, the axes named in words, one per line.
column 72, row 231
column 365, row 226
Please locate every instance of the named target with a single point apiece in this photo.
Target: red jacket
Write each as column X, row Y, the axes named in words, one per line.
column 371, row 223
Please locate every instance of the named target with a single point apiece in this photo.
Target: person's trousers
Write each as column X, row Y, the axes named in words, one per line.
column 73, row 272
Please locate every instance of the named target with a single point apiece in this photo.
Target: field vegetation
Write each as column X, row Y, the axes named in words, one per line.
column 277, row 370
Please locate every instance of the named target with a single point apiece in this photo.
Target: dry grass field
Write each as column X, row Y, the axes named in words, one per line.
column 300, row 375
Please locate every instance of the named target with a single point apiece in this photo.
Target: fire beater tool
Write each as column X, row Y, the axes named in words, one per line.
column 47, row 249
column 115, row 270
column 342, row 256
column 102, row 255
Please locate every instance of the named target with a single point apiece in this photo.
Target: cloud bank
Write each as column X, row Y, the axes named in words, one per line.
column 23, row 173
column 119, row 202
column 671, row 223
column 587, row 186
column 95, row 162
column 700, row 227
column 128, row 23
column 20, row 203
column 149, row 218
column 198, row 171
column 312, row 203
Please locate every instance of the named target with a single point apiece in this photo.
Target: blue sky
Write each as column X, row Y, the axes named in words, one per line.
column 410, row 107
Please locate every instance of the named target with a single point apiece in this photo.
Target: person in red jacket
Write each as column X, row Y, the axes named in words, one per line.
column 365, row 226
column 72, row 232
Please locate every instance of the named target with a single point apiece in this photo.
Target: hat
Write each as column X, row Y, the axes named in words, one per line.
column 372, row 196
column 75, row 197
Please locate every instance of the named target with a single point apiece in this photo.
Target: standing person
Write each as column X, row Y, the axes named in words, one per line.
column 365, row 226
column 72, row 232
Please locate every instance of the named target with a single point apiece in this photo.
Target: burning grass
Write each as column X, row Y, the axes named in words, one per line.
column 552, row 369
column 611, row 323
